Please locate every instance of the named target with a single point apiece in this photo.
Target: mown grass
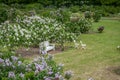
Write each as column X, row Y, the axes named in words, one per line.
column 101, row 53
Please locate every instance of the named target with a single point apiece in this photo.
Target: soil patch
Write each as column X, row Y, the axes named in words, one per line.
column 115, row 70
column 108, row 73
column 34, row 51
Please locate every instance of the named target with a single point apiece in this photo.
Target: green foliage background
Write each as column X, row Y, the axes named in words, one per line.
column 65, row 2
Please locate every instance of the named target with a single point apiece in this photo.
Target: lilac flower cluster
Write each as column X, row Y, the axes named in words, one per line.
column 68, row 74
column 28, row 30
column 44, row 65
column 11, row 75
column 1, row 60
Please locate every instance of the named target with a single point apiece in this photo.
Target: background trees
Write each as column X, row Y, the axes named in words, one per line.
column 65, row 2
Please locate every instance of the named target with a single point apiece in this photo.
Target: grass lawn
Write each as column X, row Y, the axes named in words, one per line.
column 101, row 57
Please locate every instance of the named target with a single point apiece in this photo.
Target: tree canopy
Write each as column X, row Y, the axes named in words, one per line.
column 65, row 2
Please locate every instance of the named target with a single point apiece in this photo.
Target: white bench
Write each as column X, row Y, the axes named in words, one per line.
column 46, row 46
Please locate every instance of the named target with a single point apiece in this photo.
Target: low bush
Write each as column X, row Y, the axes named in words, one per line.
column 104, row 10
column 7, row 13
column 84, row 8
column 3, row 15
column 107, row 10
column 34, row 6
column 61, row 15
column 74, row 9
column 5, row 54
column 12, row 13
column 42, row 68
column 45, row 13
column 88, row 14
column 17, row 6
column 96, row 16
column 75, row 17
column 29, row 31
column 78, row 25
column 85, row 25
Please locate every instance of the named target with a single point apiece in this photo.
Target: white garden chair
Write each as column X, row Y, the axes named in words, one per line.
column 83, row 46
column 46, row 46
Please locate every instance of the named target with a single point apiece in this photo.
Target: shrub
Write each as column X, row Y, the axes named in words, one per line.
column 12, row 14
column 18, row 6
column 29, row 31
column 74, row 9
column 3, row 15
column 68, row 74
column 96, row 16
column 5, row 55
column 107, row 10
column 7, row 14
column 100, row 29
column 80, row 26
column 85, row 25
column 61, row 15
column 84, row 8
column 42, row 68
column 45, row 13
column 75, row 17
column 34, row 6
column 87, row 14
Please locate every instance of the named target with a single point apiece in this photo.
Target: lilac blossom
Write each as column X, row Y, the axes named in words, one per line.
column 39, row 67
column 60, row 66
column 28, row 67
column 61, row 77
column 7, row 62
column 68, row 74
column 19, row 63
column 47, row 78
column 44, row 52
column 57, row 76
column 44, row 64
column 50, row 72
column 11, row 75
column 35, row 60
column 21, row 75
column 14, row 58
column 13, row 66
column 36, row 72
column 1, row 60
column 50, row 57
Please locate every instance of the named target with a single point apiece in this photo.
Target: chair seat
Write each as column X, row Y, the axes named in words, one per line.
column 48, row 48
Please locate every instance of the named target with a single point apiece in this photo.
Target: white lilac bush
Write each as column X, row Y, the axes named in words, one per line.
column 42, row 68
column 33, row 30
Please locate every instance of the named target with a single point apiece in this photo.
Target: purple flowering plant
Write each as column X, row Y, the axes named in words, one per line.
column 42, row 68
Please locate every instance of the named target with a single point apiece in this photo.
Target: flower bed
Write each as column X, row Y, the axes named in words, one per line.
column 29, row 31
column 42, row 68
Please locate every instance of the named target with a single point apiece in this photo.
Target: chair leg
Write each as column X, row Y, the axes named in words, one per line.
column 54, row 49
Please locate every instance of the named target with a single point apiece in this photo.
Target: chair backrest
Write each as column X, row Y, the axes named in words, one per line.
column 46, row 43
column 80, row 42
